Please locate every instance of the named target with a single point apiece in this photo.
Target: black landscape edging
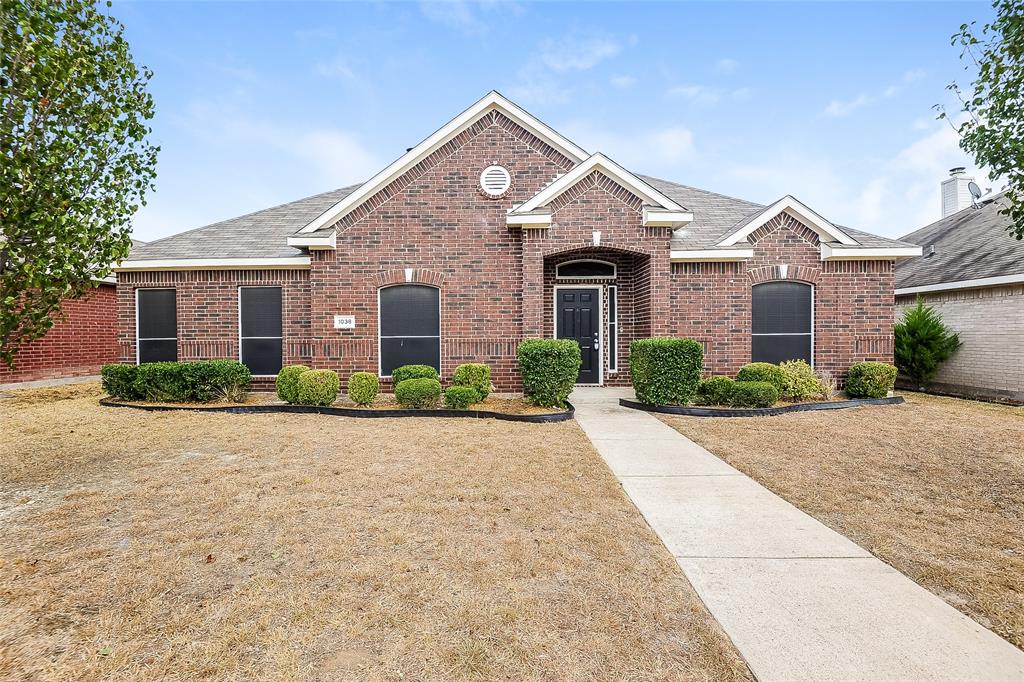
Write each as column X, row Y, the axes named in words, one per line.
column 758, row 411
column 353, row 412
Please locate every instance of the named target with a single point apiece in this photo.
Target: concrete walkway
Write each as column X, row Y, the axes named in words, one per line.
column 800, row 601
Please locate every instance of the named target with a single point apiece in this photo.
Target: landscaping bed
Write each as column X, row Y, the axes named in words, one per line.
column 774, row 411
column 934, row 487
column 146, row 545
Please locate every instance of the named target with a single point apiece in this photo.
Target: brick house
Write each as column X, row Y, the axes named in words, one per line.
column 972, row 273
column 497, row 229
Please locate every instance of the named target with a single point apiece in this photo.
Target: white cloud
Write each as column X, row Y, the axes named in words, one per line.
column 623, row 82
column 653, row 150
column 839, row 107
column 463, row 16
column 727, row 65
column 703, row 94
column 339, row 68
column 540, row 80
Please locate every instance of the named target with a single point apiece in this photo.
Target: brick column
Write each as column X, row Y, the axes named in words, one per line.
column 533, row 289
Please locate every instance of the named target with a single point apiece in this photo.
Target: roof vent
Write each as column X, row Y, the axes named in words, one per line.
column 495, row 181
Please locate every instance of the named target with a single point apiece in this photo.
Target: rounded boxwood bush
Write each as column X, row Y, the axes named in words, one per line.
column 715, row 391
column 318, row 387
column 754, row 394
column 119, row 381
column 363, row 388
column 476, row 375
column 400, row 374
column 418, row 394
column 665, row 371
column 762, row 371
column 799, row 381
column 870, row 380
column 288, row 382
column 460, row 397
column 549, row 368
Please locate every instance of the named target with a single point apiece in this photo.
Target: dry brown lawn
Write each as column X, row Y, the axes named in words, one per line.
column 190, row 545
column 934, row 487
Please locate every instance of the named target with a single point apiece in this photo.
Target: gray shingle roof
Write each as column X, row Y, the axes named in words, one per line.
column 970, row 244
column 263, row 234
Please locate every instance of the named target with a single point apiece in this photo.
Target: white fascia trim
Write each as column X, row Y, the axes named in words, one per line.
column 833, row 252
column 313, row 243
column 798, row 210
column 529, row 220
column 657, row 218
column 701, row 255
column 964, row 284
column 491, row 101
column 613, row 170
column 292, row 263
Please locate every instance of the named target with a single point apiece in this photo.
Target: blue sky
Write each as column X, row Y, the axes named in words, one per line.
column 263, row 103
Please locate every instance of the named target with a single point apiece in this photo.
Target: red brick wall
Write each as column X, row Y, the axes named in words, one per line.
column 853, row 300
column 78, row 344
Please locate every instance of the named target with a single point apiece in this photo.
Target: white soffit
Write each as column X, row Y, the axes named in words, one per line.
column 836, row 252
column 492, row 101
column 710, row 255
column 798, row 210
column 289, row 263
column 313, row 243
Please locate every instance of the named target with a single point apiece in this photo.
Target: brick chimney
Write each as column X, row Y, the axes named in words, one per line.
column 955, row 195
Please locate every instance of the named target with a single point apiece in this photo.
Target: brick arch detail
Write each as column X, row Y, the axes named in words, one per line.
column 582, row 249
column 774, row 273
column 408, row 276
column 784, row 220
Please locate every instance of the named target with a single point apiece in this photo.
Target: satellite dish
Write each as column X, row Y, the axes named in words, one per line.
column 973, row 188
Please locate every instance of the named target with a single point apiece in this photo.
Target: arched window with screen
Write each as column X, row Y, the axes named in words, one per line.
column 782, row 322
column 410, row 327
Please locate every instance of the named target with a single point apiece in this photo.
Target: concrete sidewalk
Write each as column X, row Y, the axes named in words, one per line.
column 800, row 601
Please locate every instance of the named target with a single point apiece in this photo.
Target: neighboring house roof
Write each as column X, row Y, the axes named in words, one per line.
column 708, row 226
column 971, row 248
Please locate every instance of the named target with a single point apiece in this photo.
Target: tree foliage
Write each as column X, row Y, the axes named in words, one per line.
column 74, row 161
column 923, row 343
column 993, row 128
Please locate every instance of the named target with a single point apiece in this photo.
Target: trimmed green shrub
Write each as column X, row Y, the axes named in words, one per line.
column 162, row 382
column 192, row 382
column 119, row 381
column 549, row 368
column 715, row 391
column 363, row 388
column 870, row 380
column 762, row 371
column 318, row 387
column 460, row 397
column 288, row 382
column 754, row 394
column 400, row 374
column 476, row 375
column 665, row 371
column 923, row 343
column 419, row 394
column 799, row 382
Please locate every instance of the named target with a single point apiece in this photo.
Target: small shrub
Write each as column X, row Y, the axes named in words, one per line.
column 288, row 382
column 923, row 343
column 208, row 380
column 762, row 371
column 162, row 382
column 475, row 375
column 549, row 368
column 363, row 388
column 318, row 387
column 460, row 397
column 799, row 381
column 119, row 381
column 418, row 394
column 870, row 380
column 400, row 374
column 754, row 394
column 715, row 391
column 665, row 371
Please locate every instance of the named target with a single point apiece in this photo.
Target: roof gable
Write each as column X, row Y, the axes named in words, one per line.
column 492, row 101
column 826, row 231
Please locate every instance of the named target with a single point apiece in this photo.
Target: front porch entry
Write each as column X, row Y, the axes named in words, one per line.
column 578, row 317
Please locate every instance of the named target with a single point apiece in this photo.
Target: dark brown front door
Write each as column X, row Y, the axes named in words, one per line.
column 578, row 315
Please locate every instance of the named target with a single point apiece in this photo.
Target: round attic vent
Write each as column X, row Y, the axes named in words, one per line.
column 495, row 181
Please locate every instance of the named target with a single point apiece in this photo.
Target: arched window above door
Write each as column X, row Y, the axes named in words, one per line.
column 585, row 269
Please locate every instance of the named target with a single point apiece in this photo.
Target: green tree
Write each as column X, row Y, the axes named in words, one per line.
column 993, row 128
column 74, row 161
column 923, row 343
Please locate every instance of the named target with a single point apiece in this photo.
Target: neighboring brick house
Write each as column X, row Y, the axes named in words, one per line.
column 82, row 339
column 972, row 273
column 497, row 229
